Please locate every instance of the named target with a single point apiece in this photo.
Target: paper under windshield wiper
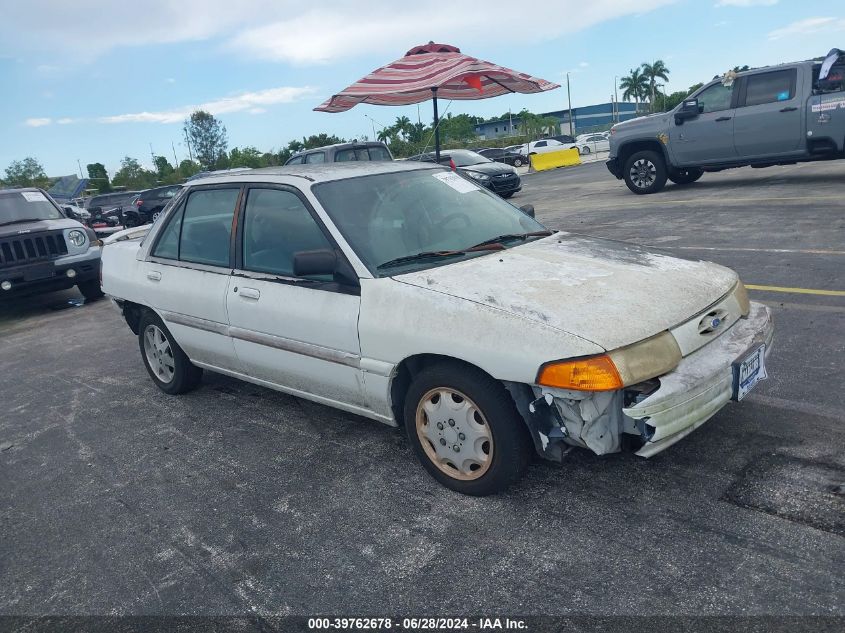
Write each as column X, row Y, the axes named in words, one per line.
column 513, row 236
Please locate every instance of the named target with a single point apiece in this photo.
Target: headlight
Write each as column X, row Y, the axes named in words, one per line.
column 477, row 175
column 77, row 238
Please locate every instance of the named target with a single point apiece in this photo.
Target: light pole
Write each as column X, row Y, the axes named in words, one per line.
column 615, row 99
column 569, row 99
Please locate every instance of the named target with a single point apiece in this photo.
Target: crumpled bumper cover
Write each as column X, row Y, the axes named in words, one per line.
column 701, row 384
column 614, row 167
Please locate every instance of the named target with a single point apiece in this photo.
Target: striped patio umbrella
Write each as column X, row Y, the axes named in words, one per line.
column 431, row 71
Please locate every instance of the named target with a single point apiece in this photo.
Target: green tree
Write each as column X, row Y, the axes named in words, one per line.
column 534, row 126
column 668, row 102
column 207, row 137
column 403, row 126
column 247, row 157
column 460, row 127
column 26, row 173
column 652, row 72
column 634, row 87
column 132, row 176
column 99, row 177
column 187, row 168
column 164, row 170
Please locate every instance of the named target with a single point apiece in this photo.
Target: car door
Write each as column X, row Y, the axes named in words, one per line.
column 187, row 274
column 768, row 115
column 709, row 137
column 298, row 333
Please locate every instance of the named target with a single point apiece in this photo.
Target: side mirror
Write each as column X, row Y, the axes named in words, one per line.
column 319, row 262
column 689, row 110
column 527, row 209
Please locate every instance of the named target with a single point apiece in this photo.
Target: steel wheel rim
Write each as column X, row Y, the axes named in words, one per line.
column 159, row 353
column 643, row 173
column 446, row 420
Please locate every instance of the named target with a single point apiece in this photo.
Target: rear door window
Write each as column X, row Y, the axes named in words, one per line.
column 770, row 87
column 207, row 226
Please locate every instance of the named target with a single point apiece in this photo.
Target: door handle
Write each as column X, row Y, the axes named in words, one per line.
column 154, row 275
column 723, row 118
column 249, row 293
column 789, row 109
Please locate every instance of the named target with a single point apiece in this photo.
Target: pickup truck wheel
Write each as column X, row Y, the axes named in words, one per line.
column 165, row 361
column 465, row 430
column 90, row 289
column 645, row 172
column 685, row 176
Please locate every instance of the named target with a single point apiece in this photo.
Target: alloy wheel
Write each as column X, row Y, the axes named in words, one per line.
column 159, row 353
column 643, row 173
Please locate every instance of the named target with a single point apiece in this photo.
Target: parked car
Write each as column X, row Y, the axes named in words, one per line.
column 405, row 293
column 776, row 115
column 501, row 155
column 343, row 152
column 74, row 212
column 545, row 145
column 566, row 139
column 499, row 178
column 106, row 209
column 42, row 250
column 593, row 143
column 146, row 207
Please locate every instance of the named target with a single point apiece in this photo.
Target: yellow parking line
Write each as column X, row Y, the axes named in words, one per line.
column 800, row 291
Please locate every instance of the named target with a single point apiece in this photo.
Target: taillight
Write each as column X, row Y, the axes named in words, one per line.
column 452, row 164
column 138, row 203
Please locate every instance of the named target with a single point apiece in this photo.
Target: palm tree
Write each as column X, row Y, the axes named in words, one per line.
column 652, row 72
column 385, row 135
column 634, row 87
column 402, row 125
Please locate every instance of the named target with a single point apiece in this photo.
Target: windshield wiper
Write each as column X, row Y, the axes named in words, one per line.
column 437, row 254
column 21, row 221
column 513, row 236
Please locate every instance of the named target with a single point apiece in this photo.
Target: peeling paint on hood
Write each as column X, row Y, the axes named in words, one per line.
column 610, row 293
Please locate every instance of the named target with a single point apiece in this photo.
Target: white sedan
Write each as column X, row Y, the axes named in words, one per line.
column 408, row 294
column 593, row 143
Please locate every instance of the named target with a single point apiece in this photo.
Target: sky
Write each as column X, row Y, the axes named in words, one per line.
column 96, row 80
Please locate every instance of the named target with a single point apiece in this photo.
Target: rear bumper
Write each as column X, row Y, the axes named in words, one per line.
column 614, row 167
column 85, row 268
column 701, row 384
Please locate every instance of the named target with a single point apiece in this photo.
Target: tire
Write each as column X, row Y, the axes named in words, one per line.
column 175, row 374
column 131, row 221
column 90, row 289
column 517, row 162
column 507, row 195
column 685, row 176
column 649, row 172
column 585, row 150
column 494, row 452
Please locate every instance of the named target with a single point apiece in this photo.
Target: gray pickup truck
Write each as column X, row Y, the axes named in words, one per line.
column 776, row 115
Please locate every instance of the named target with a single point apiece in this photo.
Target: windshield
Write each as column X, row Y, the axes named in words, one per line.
column 388, row 216
column 26, row 205
column 462, row 158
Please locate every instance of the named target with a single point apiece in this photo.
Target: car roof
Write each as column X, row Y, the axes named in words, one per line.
column 316, row 172
column 20, row 189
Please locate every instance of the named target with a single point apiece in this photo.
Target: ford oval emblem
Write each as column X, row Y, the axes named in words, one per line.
column 716, row 322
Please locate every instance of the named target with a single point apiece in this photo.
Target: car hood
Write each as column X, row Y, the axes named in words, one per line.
column 491, row 169
column 37, row 226
column 610, row 293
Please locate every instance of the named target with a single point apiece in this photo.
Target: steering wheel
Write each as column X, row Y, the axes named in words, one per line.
column 451, row 218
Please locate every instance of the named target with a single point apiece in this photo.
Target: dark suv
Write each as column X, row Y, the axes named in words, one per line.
column 42, row 250
column 342, row 152
column 148, row 205
column 106, row 208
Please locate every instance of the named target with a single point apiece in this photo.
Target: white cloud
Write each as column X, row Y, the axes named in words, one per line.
column 256, row 110
column 745, row 3
column 324, row 34
column 808, row 26
column 65, row 121
column 248, row 101
column 37, row 122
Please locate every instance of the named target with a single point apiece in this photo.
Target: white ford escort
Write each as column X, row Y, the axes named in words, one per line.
column 405, row 293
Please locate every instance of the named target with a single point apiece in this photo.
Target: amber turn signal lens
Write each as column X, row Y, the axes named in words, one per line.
column 587, row 374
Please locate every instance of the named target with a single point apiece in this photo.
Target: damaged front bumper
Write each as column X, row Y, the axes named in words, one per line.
column 701, row 384
column 656, row 414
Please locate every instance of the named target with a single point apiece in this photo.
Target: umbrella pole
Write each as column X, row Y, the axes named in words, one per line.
column 436, row 126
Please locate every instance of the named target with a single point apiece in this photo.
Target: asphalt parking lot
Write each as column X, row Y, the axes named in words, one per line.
column 117, row 499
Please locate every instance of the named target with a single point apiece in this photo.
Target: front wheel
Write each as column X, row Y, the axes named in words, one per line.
column 465, row 429
column 585, row 150
column 90, row 289
column 645, row 172
column 685, row 176
column 517, row 162
column 165, row 361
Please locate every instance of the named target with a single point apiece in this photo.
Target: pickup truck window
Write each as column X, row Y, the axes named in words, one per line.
column 316, row 157
column 276, row 225
column 770, row 87
column 715, row 98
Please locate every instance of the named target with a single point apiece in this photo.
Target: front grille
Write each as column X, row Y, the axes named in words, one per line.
column 506, row 183
column 31, row 247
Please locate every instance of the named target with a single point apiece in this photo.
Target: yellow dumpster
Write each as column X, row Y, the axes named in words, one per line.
column 559, row 158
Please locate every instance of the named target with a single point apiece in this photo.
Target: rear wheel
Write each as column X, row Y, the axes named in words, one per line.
column 507, row 195
column 645, row 172
column 685, row 176
column 585, row 150
column 131, row 220
column 465, row 429
column 165, row 361
column 517, row 162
